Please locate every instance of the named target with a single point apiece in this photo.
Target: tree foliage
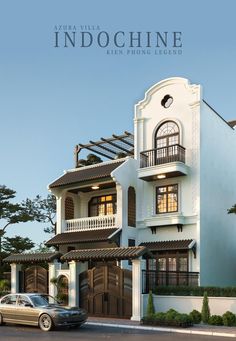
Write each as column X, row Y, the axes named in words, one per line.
column 10, row 212
column 16, row 244
column 150, row 305
column 205, row 309
column 91, row 160
column 44, row 211
column 232, row 209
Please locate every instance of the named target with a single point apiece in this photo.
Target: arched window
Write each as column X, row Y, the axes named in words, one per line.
column 166, row 142
column 131, row 207
column 69, row 208
column 167, row 135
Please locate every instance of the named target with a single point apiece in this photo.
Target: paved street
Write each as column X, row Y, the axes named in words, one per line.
column 87, row 333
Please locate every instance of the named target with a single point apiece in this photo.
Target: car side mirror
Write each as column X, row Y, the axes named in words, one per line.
column 28, row 305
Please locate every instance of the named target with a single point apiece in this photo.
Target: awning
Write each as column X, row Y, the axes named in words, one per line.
column 117, row 253
column 82, row 175
column 185, row 244
column 83, row 237
column 32, row 257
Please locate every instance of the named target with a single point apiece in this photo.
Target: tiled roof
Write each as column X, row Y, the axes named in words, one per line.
column 232, row 123
column 86, row 173
column 117, row 253
column 169, row 245
column 81, row 237
column 32, row 257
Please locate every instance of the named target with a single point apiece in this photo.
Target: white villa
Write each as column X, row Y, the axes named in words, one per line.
column 154, row 214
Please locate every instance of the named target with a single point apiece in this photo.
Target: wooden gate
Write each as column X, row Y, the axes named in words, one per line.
column 35, row 279
column 106, row 291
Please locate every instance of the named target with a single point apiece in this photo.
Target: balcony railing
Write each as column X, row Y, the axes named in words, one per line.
column 91, row 223
column 159, row 156
column 152, row 279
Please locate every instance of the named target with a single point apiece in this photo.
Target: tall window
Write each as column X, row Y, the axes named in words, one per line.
column 167, row 134
column 131, row 207
column 103, row 205
column 166, row 140
column 69, row 208
column 167, row 199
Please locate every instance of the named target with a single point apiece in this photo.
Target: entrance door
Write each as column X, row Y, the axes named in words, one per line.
column 106, row 291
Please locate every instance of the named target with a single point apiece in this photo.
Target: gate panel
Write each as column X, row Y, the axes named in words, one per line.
column 36, row 279
column 106, row 291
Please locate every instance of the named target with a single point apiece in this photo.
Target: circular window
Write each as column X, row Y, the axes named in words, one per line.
column 167, row 101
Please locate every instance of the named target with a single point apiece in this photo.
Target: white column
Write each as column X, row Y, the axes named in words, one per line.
column 73, row 284
column 137, row 266
column 15, row 268
column 52, row 272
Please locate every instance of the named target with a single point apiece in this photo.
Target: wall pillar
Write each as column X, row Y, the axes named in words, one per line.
column 52, row 273
column 15, row 268
column 137, row 266
column 73, row 285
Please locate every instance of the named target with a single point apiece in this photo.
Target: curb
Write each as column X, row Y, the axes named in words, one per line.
column 162, row 329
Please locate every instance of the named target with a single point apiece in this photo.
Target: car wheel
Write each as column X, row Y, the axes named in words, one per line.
column 45, row 322
column 1, row 320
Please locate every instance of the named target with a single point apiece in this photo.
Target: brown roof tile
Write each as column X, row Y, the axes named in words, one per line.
column 81, row 236
column 168, row 245
column 83, row 174
column 32, row 257
column 232, row 124
column 117, row 253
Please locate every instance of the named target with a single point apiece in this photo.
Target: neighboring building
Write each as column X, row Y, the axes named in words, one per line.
column 157, row 216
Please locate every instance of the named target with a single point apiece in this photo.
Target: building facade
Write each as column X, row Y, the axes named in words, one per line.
column 155, row 213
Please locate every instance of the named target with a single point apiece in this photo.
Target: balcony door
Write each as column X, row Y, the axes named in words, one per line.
column 166, row 141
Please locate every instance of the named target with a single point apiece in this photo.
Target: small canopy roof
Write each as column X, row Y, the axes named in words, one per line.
column 32, row 257
column 117, row 253
column 184, row 244
column 83, row 236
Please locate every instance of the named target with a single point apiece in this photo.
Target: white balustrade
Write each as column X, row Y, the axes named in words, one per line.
column 91, row 223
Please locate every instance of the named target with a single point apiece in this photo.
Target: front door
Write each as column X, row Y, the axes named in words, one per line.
column 106, row 291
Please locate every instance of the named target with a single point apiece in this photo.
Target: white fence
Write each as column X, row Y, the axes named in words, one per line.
column 185, row 304
column 91, row 223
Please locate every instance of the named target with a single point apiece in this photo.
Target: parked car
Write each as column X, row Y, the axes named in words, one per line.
column 39, row 310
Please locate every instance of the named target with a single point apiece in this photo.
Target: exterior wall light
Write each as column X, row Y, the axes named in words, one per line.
column 95, row 187
column 161, row 176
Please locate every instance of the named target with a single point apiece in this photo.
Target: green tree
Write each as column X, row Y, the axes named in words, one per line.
column 17, row 244
column 205, row 309
column 12, row 213
column 232, row 209
column 91, row 160
column 150, row 305
column 44, row 211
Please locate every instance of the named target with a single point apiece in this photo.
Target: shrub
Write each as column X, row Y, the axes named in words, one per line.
column 205, row 309
column 229, row 319
column 183, row 319
column 216, row 320
column 195, row 316
column 160, row 316
column 150, row 305
column 171, row 314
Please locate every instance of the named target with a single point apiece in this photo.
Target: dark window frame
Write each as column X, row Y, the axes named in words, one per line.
column 98, row 203
column 170, row 254
column 167, row 192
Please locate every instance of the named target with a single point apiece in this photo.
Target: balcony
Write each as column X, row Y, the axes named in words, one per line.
column 166, row 162
column 152, row 279
column 91, row 223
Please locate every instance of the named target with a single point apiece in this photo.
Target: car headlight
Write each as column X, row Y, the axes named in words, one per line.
column 63, row 315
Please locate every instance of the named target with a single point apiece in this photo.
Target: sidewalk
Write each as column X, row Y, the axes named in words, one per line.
column 195, row 330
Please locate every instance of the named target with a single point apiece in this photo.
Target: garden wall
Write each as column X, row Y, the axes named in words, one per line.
column 185, row 304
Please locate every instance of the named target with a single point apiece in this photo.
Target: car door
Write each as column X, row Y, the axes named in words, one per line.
column 8, row 308
column 26, row 313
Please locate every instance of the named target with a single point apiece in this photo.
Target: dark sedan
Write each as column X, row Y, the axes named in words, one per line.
column 39, row 310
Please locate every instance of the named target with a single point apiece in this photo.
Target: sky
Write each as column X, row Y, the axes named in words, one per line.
column 53, row 98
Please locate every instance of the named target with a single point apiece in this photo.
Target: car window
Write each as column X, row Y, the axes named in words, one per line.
column 23, row 300
column 11, row 299
column 39, row 301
